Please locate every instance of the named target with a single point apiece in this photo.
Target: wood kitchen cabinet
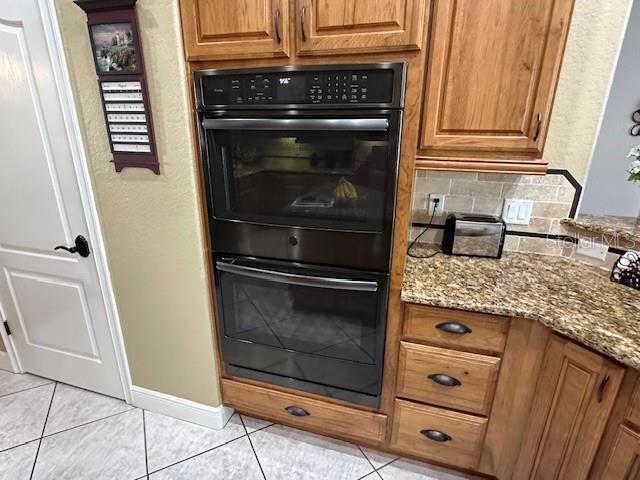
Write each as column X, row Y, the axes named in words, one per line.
column 235, row 29
column 624, row 461
column 574, row 397
column 358, row 26
column 492, row 73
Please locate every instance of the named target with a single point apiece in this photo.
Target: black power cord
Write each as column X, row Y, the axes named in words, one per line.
column 436, row 202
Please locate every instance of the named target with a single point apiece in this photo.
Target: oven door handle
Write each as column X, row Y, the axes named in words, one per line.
column 322, row 124
column 295, row 279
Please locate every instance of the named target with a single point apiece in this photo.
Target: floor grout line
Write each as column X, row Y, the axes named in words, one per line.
column 88, row 423
column 255, row 454
column 197, row 454
column 26, row 389
column 35, row 460
column 144, row 436
column 367, row 458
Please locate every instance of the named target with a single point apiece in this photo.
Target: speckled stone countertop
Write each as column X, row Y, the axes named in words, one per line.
column 619, row 227
column 572, row 298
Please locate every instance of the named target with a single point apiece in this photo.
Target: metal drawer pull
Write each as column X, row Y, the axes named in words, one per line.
column 603, row 385
column 277, row 25
column 297, row 411
column 538, row 125
column 342, row 124
column 453, row 327
column 436, row 435
column 303, row 13
column 445, row 380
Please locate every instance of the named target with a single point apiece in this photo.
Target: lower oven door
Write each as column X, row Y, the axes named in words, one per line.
column 316, row 329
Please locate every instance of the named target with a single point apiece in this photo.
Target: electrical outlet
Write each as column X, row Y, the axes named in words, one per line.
column 431, row 201
column 517, row 212
column 589, row 248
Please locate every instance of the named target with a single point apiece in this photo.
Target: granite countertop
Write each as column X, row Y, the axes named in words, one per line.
column 626, row 228
column 574, row 299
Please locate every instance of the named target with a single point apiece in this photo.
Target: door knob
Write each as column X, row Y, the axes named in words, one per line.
column 81, row 247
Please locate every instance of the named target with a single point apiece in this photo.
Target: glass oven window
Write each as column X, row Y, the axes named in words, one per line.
column 329, row 322
column 332, row 180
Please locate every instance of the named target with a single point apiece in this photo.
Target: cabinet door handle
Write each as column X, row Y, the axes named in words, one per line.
column 453, row 327
column 436, row 435
column 277, row 26
column 444, row 380
column 602, row 387
column 303, row 13
column 538, row 126
column 297, row 411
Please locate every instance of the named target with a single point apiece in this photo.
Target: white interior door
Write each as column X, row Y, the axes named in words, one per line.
column 51, row 298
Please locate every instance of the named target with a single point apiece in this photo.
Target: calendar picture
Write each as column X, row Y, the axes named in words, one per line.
column 114, row 47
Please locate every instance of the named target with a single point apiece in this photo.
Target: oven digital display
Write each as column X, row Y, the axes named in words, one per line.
column 290, row 88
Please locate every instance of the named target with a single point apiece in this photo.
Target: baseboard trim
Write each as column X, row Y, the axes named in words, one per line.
column 205, row 415
column 5, row 363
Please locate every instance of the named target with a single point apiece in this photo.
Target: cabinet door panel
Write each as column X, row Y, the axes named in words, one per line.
column 228, row 29
column 575, row 394
column 492, row 73
column 345, row 26
column 624, row 462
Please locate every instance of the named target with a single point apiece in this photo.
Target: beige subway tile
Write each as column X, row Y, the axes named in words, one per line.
column 428, row 185
column 549, row 179
column 546, row 246
column 530, row 192
column 565, row 194
column 451, row 175
column 559, row 229
column 420, row 173
column 550, row 209
column 511, row 243
column 504, row 177
column 465, row 187
column 419, row 200
column 458, row 203
column 488, row 205
column 536, row 225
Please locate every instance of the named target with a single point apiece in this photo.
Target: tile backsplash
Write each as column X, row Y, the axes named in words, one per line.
column 552, row 197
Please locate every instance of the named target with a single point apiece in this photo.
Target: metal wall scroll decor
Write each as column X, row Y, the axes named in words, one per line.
column 119, row 63
column 635, row 128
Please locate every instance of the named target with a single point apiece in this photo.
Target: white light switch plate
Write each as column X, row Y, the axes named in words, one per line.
column 589, row 248
column 516, row 211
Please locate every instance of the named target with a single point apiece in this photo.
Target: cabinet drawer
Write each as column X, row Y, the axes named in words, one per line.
column 633, row 414
column 455, row 328
column 437, row 434
column 322, row 417
column 448, row 378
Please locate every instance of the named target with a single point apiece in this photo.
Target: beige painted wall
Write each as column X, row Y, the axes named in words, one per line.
column 151, row 223
column 594, row 38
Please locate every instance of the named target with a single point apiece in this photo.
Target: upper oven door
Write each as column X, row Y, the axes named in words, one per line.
column 331, row 171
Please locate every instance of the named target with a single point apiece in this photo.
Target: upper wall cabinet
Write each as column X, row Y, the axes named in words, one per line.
column 359, row 26
column 234, row 29
column 492, row 72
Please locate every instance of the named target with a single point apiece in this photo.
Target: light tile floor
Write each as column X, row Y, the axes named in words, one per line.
column 50, row 430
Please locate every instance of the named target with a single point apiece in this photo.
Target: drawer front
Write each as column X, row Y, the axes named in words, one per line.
column 455, row 328
column 305, row 413
column 447, row 378
column 437, row 434
column 633, row 414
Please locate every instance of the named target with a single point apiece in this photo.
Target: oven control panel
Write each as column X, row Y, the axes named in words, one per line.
column 289, row 87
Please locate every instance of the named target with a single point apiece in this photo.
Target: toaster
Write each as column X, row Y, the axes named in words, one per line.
column 474, row 235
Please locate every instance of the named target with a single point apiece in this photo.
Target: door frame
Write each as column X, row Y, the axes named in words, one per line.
column 62, row 80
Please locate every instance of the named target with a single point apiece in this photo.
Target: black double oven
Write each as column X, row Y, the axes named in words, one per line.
column 300, row 168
